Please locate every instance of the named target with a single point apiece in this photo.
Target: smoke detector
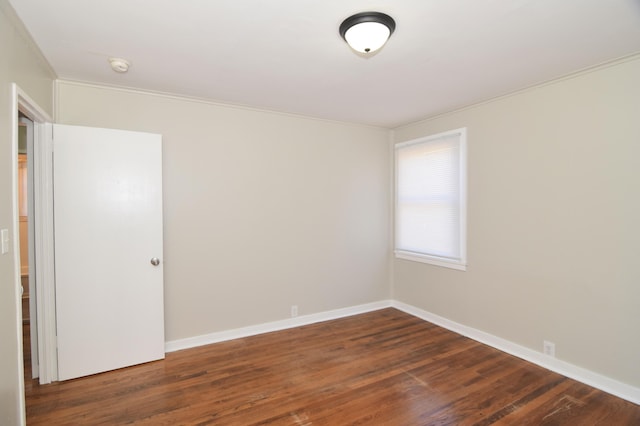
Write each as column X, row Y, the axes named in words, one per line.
column 119, row 65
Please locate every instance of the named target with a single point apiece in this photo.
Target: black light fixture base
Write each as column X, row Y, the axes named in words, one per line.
column 362, row 17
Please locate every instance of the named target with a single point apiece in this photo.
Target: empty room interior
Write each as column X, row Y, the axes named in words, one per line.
column 439, row 226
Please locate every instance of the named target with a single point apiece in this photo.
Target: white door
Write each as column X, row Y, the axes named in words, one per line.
column 108, row 249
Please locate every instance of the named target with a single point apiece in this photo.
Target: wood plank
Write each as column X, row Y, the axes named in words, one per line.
column 383, row 368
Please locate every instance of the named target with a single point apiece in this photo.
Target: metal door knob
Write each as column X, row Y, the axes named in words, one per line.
column 155, row 261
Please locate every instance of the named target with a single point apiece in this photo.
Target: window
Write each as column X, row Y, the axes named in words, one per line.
column 431, row 199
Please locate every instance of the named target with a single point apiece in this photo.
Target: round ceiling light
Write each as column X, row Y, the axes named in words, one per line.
column 367, row 32
column 119, row 65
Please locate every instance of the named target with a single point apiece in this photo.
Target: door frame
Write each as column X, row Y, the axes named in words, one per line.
column 43, row 244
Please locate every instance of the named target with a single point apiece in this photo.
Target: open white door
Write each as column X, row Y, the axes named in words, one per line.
column 108, row 249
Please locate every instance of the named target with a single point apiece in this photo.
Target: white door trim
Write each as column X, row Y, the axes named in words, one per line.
column 43, row 223
column 44, row 250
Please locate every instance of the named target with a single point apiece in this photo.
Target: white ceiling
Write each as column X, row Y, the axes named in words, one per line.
column 287, row 55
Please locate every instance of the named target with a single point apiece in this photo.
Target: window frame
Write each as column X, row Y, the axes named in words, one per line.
column 458, row 264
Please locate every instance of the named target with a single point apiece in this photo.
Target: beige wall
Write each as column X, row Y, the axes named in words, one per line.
column 554, row 204
column 20, row 62
column 262, row 210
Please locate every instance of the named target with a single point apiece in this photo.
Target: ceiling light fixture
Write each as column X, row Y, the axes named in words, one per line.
column 119, row 65
column 367, row 32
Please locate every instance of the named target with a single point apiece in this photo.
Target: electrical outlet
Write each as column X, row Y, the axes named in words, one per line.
column 549, row 348
column 4, row 236
column 294, row 311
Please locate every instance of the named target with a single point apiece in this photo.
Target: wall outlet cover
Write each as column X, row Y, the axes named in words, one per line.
column 549, row 348
column 4, row 237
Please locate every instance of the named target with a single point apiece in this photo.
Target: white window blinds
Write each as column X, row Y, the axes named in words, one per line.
column 431, row 199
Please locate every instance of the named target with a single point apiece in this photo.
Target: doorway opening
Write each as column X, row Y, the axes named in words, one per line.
column 27, row 252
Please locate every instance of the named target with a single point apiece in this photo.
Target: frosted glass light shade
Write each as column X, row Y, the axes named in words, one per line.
column 367, row 37
column 367, row 32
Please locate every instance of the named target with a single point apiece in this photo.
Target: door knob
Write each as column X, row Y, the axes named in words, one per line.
column 155, row 261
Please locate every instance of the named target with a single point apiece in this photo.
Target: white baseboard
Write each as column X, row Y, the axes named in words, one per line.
column 237, row 333
column 606, row 384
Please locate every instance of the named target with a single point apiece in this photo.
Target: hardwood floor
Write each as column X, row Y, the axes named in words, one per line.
column 379, row 368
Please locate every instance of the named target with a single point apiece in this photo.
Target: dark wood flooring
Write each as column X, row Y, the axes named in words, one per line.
column 378, row 368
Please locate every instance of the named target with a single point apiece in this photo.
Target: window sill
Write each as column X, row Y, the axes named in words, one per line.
column 432, row 260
